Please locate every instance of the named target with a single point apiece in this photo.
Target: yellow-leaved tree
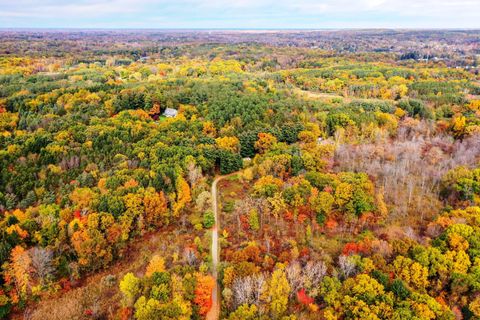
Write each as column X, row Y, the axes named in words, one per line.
column 157, row 264
column 278, row 292
column 184, row 196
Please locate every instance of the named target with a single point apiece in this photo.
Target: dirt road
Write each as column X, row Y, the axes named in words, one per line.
column 214, row 312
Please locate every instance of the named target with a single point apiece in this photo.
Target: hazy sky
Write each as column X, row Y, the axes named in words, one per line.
column 240, row 13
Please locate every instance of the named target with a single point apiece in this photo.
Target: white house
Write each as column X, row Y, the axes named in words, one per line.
column 170, row 113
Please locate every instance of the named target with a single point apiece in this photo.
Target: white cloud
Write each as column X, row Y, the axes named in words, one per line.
column 240, row 13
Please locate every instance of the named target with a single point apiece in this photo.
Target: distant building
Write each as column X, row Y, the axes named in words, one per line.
column 170, row 113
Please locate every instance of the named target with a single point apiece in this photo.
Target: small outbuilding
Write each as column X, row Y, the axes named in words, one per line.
column 170, row 113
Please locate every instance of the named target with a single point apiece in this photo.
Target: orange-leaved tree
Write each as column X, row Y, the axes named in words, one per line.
column 203, row 292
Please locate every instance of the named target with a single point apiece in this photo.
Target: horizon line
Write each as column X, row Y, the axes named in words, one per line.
column 238, row 29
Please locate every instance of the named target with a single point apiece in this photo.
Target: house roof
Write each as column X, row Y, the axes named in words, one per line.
column 170, row 112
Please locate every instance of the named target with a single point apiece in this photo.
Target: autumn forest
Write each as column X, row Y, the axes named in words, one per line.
column 239, row 175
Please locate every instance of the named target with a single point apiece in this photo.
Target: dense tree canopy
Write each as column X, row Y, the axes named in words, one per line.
column 354, row 191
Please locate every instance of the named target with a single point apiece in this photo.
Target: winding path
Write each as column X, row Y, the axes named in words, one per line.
column 214, row 312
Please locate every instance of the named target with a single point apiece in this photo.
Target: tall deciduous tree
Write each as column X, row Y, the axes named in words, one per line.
column 203, row 292
column 278, row 292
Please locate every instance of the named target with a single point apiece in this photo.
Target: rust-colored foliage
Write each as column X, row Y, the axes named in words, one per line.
column 203, row 293
column 125, row 313
column 303, row 297
column 353, row 248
